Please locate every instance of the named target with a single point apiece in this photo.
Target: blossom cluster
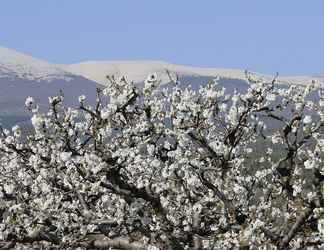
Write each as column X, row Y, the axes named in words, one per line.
column 167, row 167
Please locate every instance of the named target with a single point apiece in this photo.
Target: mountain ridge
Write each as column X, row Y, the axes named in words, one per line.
column 22, row 75
column 23, row 66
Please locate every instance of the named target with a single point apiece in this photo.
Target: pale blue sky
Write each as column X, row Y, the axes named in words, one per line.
column 267, row 36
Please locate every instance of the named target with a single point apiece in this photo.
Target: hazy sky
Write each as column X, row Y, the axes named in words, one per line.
column 266, row 36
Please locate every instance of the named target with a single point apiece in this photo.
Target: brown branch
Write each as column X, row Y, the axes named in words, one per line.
column 295, row 228
column 196, row 239
column 117, row 243
column 271, row 235
column 8, row 245
column 227, row 203
column 203, row 143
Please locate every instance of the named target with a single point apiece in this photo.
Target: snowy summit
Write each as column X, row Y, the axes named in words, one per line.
column 18, row 65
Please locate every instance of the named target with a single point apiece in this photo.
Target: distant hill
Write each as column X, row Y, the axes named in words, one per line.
column 139, row 70
column 23, row 75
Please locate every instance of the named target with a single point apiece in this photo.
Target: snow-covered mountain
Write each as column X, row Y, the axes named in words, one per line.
column 23, row 75
column 16, row 65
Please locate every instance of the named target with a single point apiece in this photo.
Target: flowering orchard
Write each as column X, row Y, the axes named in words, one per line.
column 156, row 167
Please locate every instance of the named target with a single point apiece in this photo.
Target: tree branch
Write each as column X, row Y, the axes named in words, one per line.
column 295, row 228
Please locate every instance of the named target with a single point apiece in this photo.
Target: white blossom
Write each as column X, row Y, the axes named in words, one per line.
column 307, row 119
column 162, row 166
column 309, row 164
column 9, row 188
column 82, row 98
column 29, row 101
column 16, row 130
column 320, row 226
column 65, row 156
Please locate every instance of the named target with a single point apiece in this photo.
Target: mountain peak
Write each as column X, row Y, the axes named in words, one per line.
column 18, row 65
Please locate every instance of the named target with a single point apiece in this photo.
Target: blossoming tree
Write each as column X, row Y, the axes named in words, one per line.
column 167, row 168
